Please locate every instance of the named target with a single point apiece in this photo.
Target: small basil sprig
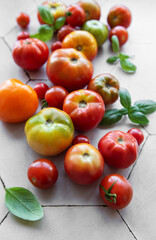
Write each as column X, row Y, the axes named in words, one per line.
column 136, row 112
column 125, row 64
column 23, row 204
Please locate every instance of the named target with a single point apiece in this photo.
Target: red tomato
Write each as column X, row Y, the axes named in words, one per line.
column 69, row 68
column 85, row 107
column 40, row 89
column 80, row 139
column 55, row 96
column 121, row 33
column 23, row 35
column 63, row 31
column 119, row 15
column 92, row 9
column 56, row 45
column 138, row 134
column 116, row 191
column 119, row 149
column 30, row 53
column 23, row 20
column 42, row 173
column 83, row 163
column 77, row 15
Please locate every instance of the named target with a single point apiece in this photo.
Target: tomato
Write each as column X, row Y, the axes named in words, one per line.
column 42, row 173
column 55, row 96
column 86, row 109
column 83, row 163
column 49, row 132
column 23, row 19
column 23, row 35
column 121, row 33
column 119, row 15
column 77, row 15
column 18, row 101
column 119, row 149
column 92, row 9
column 30, row 53
column 82, row 41
column 63, row 31
column 107, row 86
column 69, row 68
column 56, row 45
column 80, row 139
column 138, row 134
column 116, row 191
column 40, row 89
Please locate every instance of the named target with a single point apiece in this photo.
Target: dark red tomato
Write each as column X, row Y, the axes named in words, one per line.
column 77, row 15
column 23, row 35
column 121, row 33
column 65, row 30
column 55, row 96
column 23, row 19
column 116, row 191
column 80, row 139
column 56, row 45
column 138, row 134
column 40, row 89
column 42, row 173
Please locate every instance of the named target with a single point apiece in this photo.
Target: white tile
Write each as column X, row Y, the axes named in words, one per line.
column 3, row 209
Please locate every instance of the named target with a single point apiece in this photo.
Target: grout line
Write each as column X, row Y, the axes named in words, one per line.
column 73, row 205
column 2, row 182
column 4, row 218
column 6, row 43
column 27, row 74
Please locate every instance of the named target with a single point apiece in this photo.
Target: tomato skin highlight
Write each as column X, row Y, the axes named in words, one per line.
column 138, row 134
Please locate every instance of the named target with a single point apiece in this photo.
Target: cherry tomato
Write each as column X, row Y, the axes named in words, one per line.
column 23, row 35
column 56, row 45
column 121, row 33
column 138, row 134
column 55, row 96
column 23, row 19
column 40, row 89
column 63, row 31
column 83, row 163
column 42, row 173
column 116, row 191
column 80, row 139
column 77, row 15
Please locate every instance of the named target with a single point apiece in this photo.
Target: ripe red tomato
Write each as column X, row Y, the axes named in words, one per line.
column 85, row 107
column 80, row 139
column 42, row 173
column 40, row 89
column 92, row 9
column 119, row 15
column 119, row 149
column 23, row 19
column 56, row 45
column 63, row 31
column 30, row 53
column 83, row 163
column 138, row 134
column 23, row 35
column 77, row 15
column 116, row 191
column 121, row 33
column 55, row 96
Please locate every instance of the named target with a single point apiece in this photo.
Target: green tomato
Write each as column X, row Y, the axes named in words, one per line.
column 97, row 29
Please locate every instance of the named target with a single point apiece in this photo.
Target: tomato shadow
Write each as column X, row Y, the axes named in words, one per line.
column 16, row 130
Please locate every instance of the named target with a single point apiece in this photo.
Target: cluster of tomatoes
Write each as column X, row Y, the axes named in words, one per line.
column 68, row 105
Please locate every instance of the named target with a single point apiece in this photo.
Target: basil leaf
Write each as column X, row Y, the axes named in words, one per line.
column 23, row 204
column 46, row 14
column 123, row 56
column 125, row 97
column 59, row 23
column 127, row 66
column 111, row 116
column 112, row 60
column 45, row 33
column 146, row 106
column 115, row 44
column 138, row 117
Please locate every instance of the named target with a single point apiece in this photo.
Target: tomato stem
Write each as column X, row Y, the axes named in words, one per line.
column 111, row 197
column 44, row 104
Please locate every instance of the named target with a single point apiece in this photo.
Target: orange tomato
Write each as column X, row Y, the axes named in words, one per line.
column 18, row 101
column 82, row 41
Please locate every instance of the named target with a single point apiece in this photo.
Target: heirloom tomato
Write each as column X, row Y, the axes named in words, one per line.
column 18, row 101
column 77, row 15
column 49, row 132
column 121, row 32
column 30, row 53
column 40, row 89
column 69, row 68
column 92, row 9
column 85, row 107
column 138, row 134
column 83, row 163
column 107, row 86
column 119, row 149
column 23, row 35
column 23, row 19
column 63, row 31
column 82, row 41
column 116, row 191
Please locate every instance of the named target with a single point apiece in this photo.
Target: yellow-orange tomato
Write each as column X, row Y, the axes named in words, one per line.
column 82, row 41
column 18, row 101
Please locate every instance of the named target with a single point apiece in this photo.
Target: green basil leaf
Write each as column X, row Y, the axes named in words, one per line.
column 59, row 23
column 23, row 204
column 46, row 14
column 45, row 33
column 123, row 56
column 125, row 97
column 115, row 44
column 146, row 106
column 138, row 117
column 127, row 66
column 123, row 111
column 133, row 109
column 110, row 117
column 112, row 60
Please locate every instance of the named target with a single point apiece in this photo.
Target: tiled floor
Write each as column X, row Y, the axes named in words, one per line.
column 72, row 211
